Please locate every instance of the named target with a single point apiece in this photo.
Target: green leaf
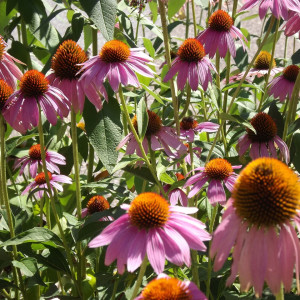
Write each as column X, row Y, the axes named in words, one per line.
column 142, row 119
column 104, row 130
column 91, row 230
column 174, row 6
column 149, row 47
column 237, row 119
column 142, row 172
column 153, row 8
column 12, row 143
column 87, row 34
column 7, row 284
column 277, row 117
column 164, row 177
column 125, row 161
column 103, row 14
column 234, row 85
column 295, row 153
column 153, row 94
column 37, row 234
column 6, row 14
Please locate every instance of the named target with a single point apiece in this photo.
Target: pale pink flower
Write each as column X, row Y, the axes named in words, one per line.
column 151, row 226
column 215, row 172
column 191, row 65
column 279, row 8
column 259, row 224
column 263, row 141
column 164, row 288
column 34, row 160
column 21, row 109
column 161, row 137
column 220, row 35
column 39, row 184
column 282, row 86
column 9, row 72
column 117, row 63
column 66, row 75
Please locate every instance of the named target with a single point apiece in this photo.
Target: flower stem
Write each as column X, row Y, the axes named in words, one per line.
column 239, row 87
column 137, row 26
column 187, row 22
column 209, row 266
column 194, row 18
column 139, row 141
column 25, row 43
column 163, row 14
column 3, row 187
column 280, row 295
column 52, row 201
column 140, row 278
column 270, row 67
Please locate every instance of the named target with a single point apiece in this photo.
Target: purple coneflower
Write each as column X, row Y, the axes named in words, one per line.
column 261, row 68
column 5, row 92
column 216, row 171
column 39, row 184
column 96, row 204
column 263, row 141
column 117, row 63
column 151, row 226
column 165, row 287
column 67, row 73
column 159, row 136
column 21, row 109
column 191, row 66
column 220, row 35
column 259, row 224
column 177, row 194
column 283, row 85
column 8, row 70
column 189, row 126
column 34, row 159
column 279, row 8
column 292, row 26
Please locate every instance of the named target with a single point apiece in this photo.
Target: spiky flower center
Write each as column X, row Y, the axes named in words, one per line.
column 154, row 123
column 291, row 72
column 114, row 51
column 191, row 51
column 267, row 192
column 97, row 204
column 66, row 59
column 149, row 210
column 218, row 168
column 179, row 176
column 166, row 289
column 265, row 127
column 2, row 47
column 35, row 152
column 34, row 83
column 220, row 21
column 41, row 179
column 188, row 123
column 263, row 61
column 5, row 92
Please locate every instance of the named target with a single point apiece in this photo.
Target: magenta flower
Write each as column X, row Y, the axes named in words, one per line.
column 39, row 184
column 34, row 159
column 117, row 63
column 66, row 75
column 151, row 226
column 216, row 171
column 279, row 8
column 165, row 287
column 191, row 66
column 292, row 26
column 263, row 141
column 160, row 137
column 282, row 86
column 261, row 68
column 96, row 204
column 189, row 127
column 259, row 224
column 220, row 35
column 9, row 72
column 21, row 109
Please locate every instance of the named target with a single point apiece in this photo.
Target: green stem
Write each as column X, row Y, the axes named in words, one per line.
column 90, row 163
column 7, row 207
column 280, row 295
column 209, row 266
column 270, row 67
column 116, row 283
column 137, row 26
column 194, row 256
column 25, row 43
column 163, row 15
column 95, row 41
column 285, row 50
column 140, row 278
column 41, row 211
column 240, row 85
column 52, row 201
column 187, row 23
column 191, row 155
column 194, row 18
column 122, row 99
column 220, row 4
column 205, row 113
